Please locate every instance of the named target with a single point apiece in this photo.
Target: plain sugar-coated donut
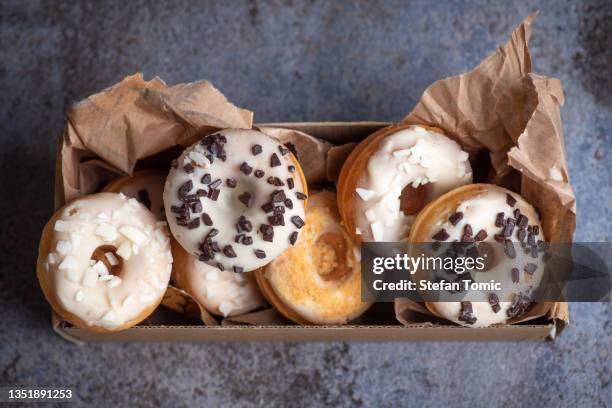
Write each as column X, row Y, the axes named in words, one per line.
column 235, row 199
column 104, row 262
column 318, row 281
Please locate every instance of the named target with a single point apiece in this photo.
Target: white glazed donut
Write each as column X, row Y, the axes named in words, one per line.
column 222, row 293
column 390, row 176
column 104, row 262
column 235, row 199
column 488, row 213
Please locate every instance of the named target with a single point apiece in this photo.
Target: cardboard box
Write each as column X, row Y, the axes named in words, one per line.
column 165, row 326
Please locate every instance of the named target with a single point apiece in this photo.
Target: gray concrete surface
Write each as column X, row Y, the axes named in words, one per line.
column 292, row 60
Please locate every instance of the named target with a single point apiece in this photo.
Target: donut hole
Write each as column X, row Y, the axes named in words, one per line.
column 412, row 200
column 330, row 261
column 99, row 254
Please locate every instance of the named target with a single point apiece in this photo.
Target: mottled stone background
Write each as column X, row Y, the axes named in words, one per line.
column 292, row 61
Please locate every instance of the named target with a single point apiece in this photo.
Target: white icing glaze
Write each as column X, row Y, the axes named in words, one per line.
column 227, row 209
column 85, row 288
column 480, row 212
column 223, row 293
column 411, row 156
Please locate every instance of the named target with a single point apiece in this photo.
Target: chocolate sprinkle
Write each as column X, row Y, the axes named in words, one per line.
column 245, row 168
column 521, row 234
column 494, row 302
column 206, row 179
column 290, row 183
column 508, row 228
column 268, row 207
column 509, row 249
column 482, row 234
column 279, row 210
column 522, row 221
column 185, row 188
column 530, row 268
column 256, row 149
column 238, row 238
column 229, row 251
column 276, row 220
column 213, row 194
column 246, row 199
column 499, row 238
column 291, row 169
column 520, row 303
column 293, row 237
column 275, row 181
column 196, row 207
column 467, row 314
column 247, row 240
column 244, row 224
column 297, row 221
column 259, row 253
column 455, row 218
column 283, row 150
column 278, row 196
column 188, row 168
column 238, row 269
column 231, row 183
column 510, row 200
column 288, row 203
column 206, row 219
column 499, row 220
column 212, row 233
column 300, row 195
column 259, row 173
column 215, row 183
column 441, row 235
column 267, row 232
column 274, row 160
column 516, row 275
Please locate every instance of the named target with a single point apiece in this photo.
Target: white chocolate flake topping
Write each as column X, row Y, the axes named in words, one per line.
column 112, row 259
column 74, row 275
column 415, row 157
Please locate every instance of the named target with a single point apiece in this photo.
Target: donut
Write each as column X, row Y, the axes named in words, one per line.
column 147, row 186
column 221, row 293
column 236, row 199
column 104, row 262
column 390, row 176
column 487, row 213
column 318, row 281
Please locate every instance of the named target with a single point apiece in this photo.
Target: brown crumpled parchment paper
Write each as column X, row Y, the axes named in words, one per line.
column 110, row 131
column 503, row 109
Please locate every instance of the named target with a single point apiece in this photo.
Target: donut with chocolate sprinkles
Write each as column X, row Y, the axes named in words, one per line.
column 487, row 220
column 233, row 191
